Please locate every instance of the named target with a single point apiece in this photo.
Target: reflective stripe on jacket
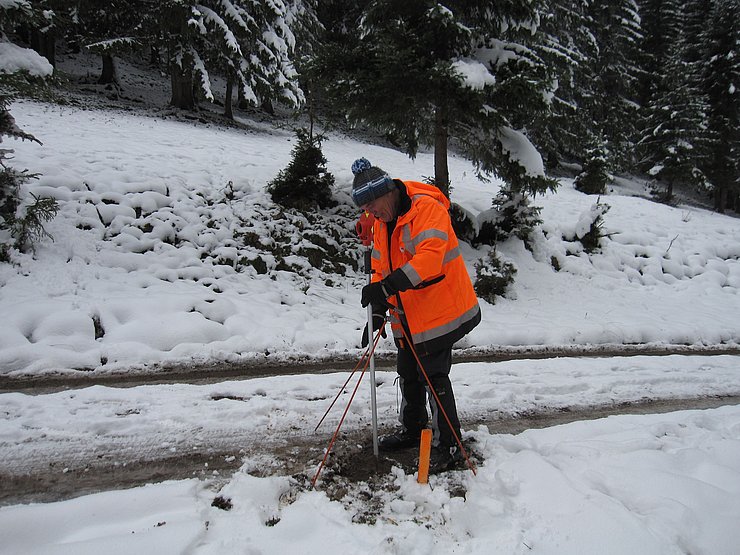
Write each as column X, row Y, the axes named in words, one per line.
column 441, row 307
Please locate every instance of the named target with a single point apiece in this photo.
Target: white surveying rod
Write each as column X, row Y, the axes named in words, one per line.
column 370, row 336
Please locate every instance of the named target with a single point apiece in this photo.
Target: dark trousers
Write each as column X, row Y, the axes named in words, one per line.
column 415, row 391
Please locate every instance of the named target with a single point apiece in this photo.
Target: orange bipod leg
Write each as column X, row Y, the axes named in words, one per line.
column 425, row 449
column 366, row 359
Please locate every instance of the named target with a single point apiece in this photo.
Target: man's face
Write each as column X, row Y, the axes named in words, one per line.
column 383, row 208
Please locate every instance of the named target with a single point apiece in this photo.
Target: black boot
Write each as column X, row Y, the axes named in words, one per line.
column 400, row 439
column 446, row 458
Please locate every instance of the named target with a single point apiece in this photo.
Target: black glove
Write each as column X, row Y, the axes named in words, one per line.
column 378, row 324
column 397, row 281
column 376, row 294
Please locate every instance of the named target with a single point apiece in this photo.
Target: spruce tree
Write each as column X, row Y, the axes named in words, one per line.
column 303, row 20
column 109, row 30
column 22, row 216
column 47, row 24
column 566, row 45
column 595, row 175
column 675, row 114
column 305, row 183
column 696, row 14
column 249, row 41
column 614, row 89
column 655, row 45
column 428, row 74
column 721, row 78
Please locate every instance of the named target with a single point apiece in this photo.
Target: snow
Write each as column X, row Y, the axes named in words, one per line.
column 645, row 484
column 140, row 206
column 519, row 149
column 124, row 287
column 13, row 4
column 475, row 75
column 15, row 58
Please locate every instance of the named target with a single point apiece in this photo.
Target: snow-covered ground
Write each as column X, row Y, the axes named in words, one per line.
column 153, row 262
column 652, row 484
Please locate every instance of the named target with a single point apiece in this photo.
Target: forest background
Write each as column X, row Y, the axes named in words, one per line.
column 594, row 88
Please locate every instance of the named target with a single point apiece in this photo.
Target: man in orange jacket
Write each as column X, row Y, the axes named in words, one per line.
column 419, row 276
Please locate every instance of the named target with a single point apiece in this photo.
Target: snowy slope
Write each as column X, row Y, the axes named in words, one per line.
column 168, row 249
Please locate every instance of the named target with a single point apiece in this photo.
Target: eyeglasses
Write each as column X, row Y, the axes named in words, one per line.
column 372, row 190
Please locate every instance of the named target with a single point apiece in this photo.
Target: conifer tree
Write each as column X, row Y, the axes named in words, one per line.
column 614, row 89
column 305, row 183
column 595, row 175
column 21, row 218
column 567, row 44
column 672, row 141
column 45, row 26
column 696, row 13
column 248, row 40
column 655, row 46
column 675, row 114
column 721, row 78
column 109, row 30
column 302, row 19
column 427, row 73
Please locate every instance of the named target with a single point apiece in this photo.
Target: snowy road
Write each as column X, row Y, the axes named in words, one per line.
column 134, row 463
column 49, row 382
column 63, row 444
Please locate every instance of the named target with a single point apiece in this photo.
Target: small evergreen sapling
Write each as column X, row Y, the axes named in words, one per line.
column 594, row 177
column 590, row 227
column 305, row 184
column 589, row 232
column 21, row 224
column 512, row 214
column 492, row 277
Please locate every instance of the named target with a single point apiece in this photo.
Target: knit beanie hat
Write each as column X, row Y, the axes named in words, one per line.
column 370, row 182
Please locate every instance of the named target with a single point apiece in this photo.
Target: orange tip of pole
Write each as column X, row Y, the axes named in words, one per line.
column 425, row 448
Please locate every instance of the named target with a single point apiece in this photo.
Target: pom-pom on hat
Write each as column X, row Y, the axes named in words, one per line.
column 370, row 182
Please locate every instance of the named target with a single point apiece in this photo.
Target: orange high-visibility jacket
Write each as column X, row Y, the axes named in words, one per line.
column 441, row 307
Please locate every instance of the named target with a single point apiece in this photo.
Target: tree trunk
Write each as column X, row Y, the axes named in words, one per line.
column 182, row 87
column 441, row 170
column 720, row 195
column 228, row 102
column 108, row 75
column 155, row 59
column 310, row 106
